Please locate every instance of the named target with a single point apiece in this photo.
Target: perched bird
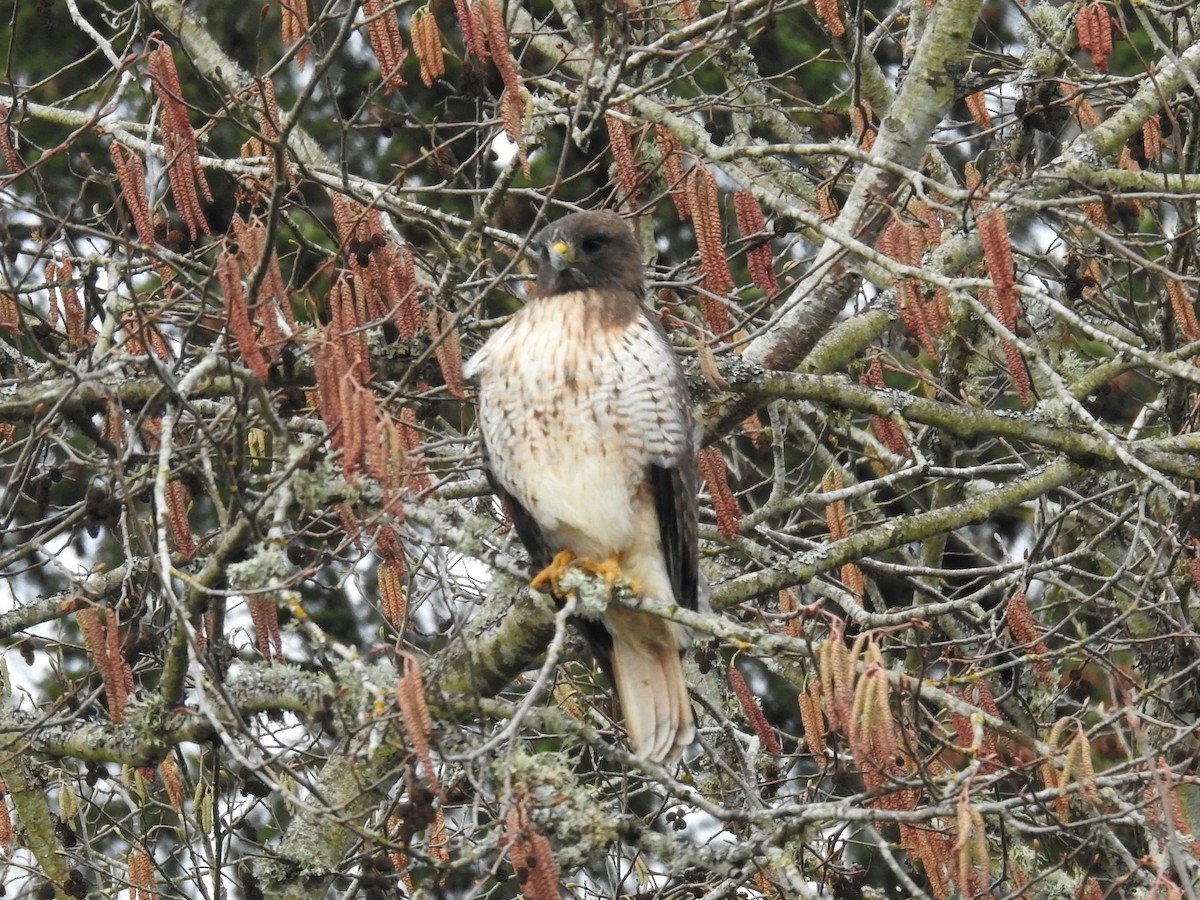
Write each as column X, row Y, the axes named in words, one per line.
column 588, row 440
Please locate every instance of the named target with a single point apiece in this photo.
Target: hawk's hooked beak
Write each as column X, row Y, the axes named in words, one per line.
column 560, row 255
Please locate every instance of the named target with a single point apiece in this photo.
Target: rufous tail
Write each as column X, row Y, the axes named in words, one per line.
column 648, row 675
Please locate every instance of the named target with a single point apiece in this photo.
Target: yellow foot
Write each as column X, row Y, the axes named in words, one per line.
column 553, row 572
column 609, row 569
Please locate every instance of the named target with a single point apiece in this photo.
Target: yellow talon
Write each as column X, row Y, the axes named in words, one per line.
column 609, row 569
column 553, row 572
column 551, row 576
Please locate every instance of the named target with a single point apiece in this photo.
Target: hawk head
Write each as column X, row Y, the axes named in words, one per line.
column 588, row 251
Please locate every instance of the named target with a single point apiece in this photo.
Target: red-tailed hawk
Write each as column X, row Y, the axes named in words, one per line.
column 588, row 439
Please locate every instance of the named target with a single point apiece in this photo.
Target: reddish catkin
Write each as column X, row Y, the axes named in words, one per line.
column 752, row 226
column 142, row 885
column 179, row 142
column 497, row 41
column 531, row 855
column 418, row 479
column 392, row 596
column 974, row 183
column 977, row 106
column 6, row 827
column 131, row 174
column 1025, row 632
column 1094, row 29
column 1018, row 372
column 512, row 101
column 443, row 331
column 826, row 205
column 264, row 615
column 512, row 117
column 998, row 259
column 375, row 436
column 906, row 243
column 345, row 327
column 73, row 314
column 628, row 177
column 1078, row 102
column 852, row 577
column 687, row 11
column 711, row 464
column 1178, row 820
column 12, row 161
column 383, row 33
column 354, row 441
column 10, row 313
column 835, row 510
column 326, row 374
column 1194, row 570
column 406, row 308
column 293, row 27
column 830, row 14
column 885, row 429
column 1152, row 140
column 237, row 313
column 669, row 151
column 1183, row 311
column 813, row 721
column 103, row 643
column 706, row 220
column 715, row 315
column 410, row 693
column 471, row 25
column 178, row 500
column 872, row 730
column 836, row 679
column 269, row 120
column 51, row 276
column 168, row 769
column 789, row 607
column 860, row 124
column 272, row 295
column 752, row 709
column 427, row 44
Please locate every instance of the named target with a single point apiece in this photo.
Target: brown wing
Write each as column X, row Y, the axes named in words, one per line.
column 675, row 486
column 675, row 502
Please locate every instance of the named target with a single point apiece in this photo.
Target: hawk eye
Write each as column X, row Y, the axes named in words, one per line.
column 594, row 243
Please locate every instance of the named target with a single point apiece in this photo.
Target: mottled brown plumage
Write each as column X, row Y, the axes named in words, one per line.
column 588, row 439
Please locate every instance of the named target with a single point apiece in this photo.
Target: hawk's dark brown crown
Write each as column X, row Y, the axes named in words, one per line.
column 596, row 250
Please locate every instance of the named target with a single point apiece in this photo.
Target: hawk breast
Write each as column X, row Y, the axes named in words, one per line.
column 575, row 406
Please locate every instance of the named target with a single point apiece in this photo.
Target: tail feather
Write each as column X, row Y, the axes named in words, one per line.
column 648, row 676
